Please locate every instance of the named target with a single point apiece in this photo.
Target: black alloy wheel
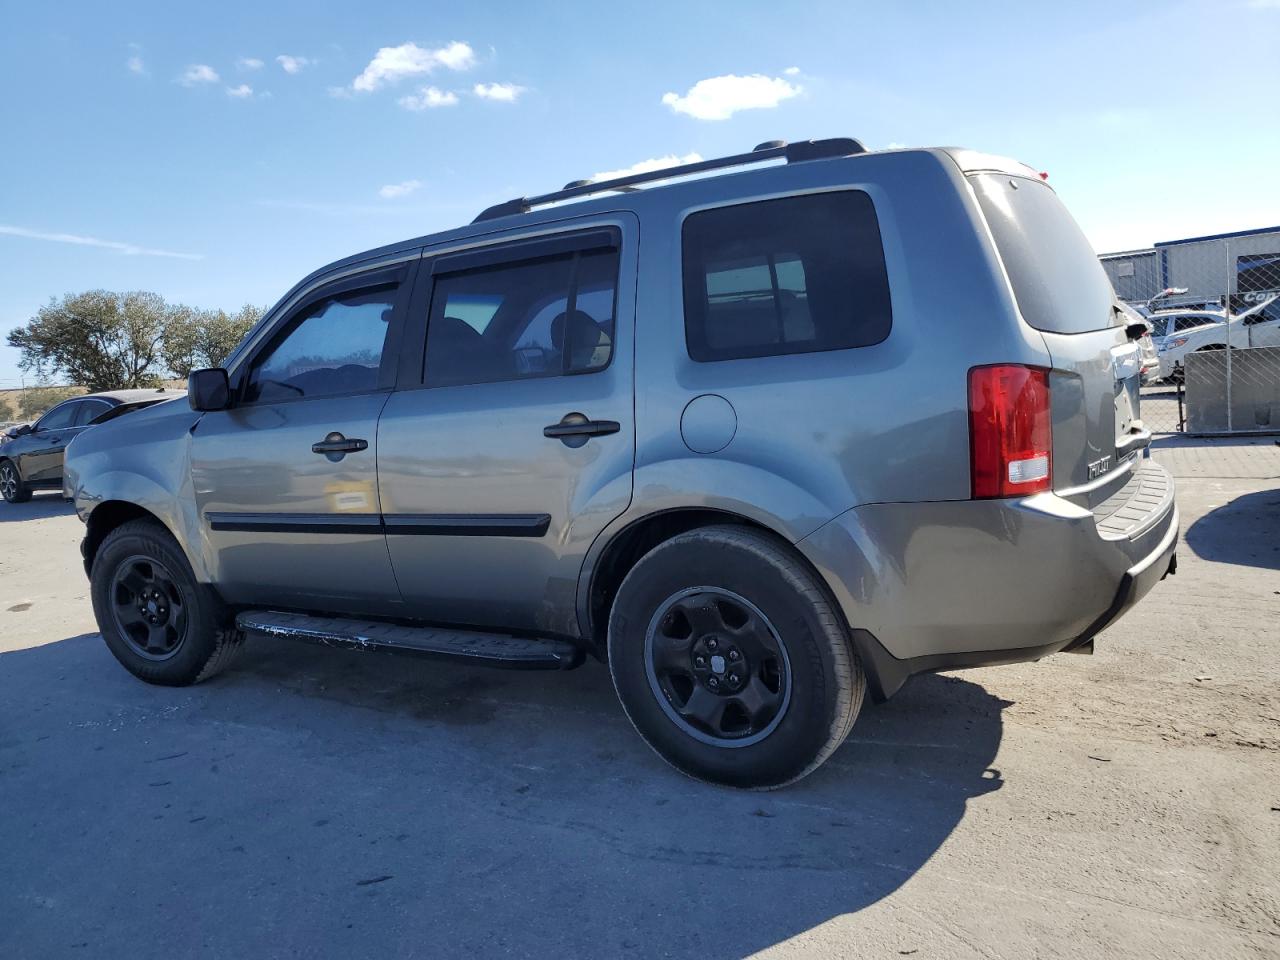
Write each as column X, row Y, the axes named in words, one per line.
column 718, row 666
column 149, row 609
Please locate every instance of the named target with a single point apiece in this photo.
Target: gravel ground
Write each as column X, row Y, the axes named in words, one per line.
column 318, row 803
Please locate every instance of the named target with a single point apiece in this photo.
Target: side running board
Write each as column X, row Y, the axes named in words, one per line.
column 492, row 649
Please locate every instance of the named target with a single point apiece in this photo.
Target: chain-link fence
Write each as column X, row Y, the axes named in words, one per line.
column 1213, row 309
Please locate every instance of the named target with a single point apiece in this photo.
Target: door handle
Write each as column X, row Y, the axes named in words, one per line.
column 575, row 429
column 335, row 446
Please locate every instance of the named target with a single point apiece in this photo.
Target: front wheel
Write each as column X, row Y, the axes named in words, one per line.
column 730, row 660
column 12, row 487
column 162, row 625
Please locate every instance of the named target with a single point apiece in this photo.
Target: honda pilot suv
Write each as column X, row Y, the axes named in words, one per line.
column 766, row 442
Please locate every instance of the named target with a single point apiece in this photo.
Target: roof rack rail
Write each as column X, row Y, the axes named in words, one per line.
column 770, row 150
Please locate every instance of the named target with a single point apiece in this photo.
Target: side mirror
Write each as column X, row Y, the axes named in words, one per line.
column 209, row 389
column 21, row 430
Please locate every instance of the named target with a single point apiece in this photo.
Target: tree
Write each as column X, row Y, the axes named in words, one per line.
column 36, row 400
column 203, row 338
column 112, row 341
column 180, row 348
column 98, row 339
column 7, row 412
column 223, row 333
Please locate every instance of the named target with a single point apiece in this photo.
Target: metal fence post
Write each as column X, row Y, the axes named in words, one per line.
column 1226, row 314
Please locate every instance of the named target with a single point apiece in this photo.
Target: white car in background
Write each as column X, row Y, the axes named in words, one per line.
column 1180, row 333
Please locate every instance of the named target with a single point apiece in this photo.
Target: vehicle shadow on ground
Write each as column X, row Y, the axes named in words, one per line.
column 323, row 802
column 41, row 506
column 1242, row 531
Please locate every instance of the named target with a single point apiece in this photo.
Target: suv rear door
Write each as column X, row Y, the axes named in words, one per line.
column 286, row 478
column 511, row 442
column 1062, row 291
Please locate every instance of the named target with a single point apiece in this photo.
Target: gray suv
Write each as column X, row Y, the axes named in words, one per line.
column 765, row 442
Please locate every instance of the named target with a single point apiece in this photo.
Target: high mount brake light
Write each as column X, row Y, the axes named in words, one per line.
column 1010, row 431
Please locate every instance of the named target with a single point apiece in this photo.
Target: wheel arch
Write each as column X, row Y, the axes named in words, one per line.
column 626, row 546
column 107, row 516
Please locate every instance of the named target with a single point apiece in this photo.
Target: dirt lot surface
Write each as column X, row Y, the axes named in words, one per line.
column 322, row 803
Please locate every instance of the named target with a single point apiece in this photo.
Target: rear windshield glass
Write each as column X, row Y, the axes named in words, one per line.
column 1060, row 285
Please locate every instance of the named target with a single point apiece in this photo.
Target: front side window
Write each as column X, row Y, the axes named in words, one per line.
column 795, row 275
column 59, row 417
column 547, row 317
column 332, row 347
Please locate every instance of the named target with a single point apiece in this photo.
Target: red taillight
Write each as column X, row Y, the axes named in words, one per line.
column 1010, row 431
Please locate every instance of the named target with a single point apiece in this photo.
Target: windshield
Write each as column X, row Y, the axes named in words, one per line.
column 1057, row 279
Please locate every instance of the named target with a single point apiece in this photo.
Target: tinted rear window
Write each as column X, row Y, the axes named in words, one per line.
column 795, row 275
column 1060, row 285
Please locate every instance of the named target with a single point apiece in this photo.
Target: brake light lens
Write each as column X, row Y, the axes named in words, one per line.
column 1010, row 431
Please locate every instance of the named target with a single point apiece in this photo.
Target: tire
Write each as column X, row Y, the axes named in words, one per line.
column 185, row 635
column 12, row 486
column 741, row 588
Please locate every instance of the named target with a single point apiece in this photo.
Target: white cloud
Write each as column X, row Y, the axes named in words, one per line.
column 134, row 63
column 198, row 73
column 456, row 56
column 719, row 98
column 339, row 93
column 391, row 64
column 242, row 92
column 131, row 249
column 1265, row 4
column 402, row 189
column 428, row 98
column 791, row 71
column 292, row 64
column 506, row 92
column 249, row 63
column 644, row 166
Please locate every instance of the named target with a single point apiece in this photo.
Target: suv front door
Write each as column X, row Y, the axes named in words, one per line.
column 286, row 478
column 511, row 447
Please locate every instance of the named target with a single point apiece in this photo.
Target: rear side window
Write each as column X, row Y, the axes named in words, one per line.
column 1057, row 279
column 546, row 317
column 795, row 275
column 90, row 410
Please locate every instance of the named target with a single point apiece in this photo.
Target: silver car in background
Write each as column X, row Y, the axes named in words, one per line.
column 764, row 442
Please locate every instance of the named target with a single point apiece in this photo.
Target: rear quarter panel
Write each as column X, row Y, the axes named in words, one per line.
column 820, row 433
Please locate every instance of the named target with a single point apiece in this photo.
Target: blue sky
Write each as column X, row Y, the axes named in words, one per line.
column 215, row 155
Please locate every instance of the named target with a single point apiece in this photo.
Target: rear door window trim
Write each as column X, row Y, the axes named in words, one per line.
column 558, row 241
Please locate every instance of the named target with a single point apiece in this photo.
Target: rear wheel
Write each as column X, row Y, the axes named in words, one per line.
column 161, row 624
column 730, row 660
column 12, row 488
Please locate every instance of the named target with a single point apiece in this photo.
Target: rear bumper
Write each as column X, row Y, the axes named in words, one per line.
column 935, row 586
